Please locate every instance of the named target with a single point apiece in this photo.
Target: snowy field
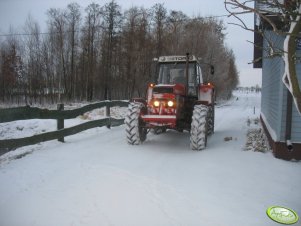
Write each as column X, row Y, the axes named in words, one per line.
column 97, row 179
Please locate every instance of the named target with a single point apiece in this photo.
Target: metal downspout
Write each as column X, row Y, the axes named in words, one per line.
column 187, row 73
column 288, row 126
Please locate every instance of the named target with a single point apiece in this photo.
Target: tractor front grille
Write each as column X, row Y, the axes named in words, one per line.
column 163, row 90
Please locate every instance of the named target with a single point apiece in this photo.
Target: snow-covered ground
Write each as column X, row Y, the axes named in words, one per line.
column 96, row 178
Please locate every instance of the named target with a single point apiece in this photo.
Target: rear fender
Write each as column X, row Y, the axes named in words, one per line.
column 139, row 100
column 206, row 94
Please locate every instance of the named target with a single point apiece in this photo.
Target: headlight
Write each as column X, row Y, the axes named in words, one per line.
column 170, row 103
column 156, row 103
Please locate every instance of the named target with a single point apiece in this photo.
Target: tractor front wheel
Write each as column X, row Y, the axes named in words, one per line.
column 211, row 119
column 134, row 125
column 199, row 128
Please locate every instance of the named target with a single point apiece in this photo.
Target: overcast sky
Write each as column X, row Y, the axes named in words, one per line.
column 15, row 12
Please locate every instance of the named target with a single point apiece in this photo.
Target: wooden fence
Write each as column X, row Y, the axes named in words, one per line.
column 22, row 113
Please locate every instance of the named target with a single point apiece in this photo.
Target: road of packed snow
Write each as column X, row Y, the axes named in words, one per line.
column 97, row 179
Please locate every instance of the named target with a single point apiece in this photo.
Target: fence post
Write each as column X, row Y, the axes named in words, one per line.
column 60, row 122
column 108, row 113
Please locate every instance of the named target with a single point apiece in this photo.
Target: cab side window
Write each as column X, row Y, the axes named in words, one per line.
column 193, row 79
column 199, row 75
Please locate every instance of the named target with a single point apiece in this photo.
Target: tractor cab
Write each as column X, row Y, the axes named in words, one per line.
column 173, row 70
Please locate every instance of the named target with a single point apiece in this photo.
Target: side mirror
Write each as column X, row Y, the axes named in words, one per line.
column 212, row 69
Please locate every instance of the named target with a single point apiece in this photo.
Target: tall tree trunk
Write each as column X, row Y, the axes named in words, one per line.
column 290, row 78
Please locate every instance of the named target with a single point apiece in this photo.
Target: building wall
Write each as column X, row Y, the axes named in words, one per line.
column 296, row 118
column 274, row 103
column 272, row 88
column 274, row 95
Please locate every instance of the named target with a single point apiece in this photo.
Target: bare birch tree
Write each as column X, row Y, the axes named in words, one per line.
column 57, row 26
column 159, row 21
column 112, row 23
column 91, row 32
column 284, row 18
column 73, row 16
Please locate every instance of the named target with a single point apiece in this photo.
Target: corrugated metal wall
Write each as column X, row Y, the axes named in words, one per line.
column 274, row 94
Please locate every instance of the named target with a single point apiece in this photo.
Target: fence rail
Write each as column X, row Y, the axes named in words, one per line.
column 22, row 113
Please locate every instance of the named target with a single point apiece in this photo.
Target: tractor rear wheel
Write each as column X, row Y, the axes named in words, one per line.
column 134, row 125
column 199, row 128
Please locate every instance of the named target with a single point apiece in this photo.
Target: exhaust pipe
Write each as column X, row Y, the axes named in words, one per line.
column 187, row 72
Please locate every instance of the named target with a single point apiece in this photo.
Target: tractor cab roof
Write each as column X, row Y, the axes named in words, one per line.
column 167, row 59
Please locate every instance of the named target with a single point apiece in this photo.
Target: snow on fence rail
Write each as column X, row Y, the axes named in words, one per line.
column 22, row 113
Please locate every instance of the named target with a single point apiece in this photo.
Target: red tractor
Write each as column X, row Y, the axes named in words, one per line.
column 180, row 100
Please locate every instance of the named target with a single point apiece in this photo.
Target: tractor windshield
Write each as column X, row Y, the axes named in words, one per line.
column 174, row 73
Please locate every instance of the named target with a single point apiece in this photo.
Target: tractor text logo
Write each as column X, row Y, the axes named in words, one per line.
column 282, row 215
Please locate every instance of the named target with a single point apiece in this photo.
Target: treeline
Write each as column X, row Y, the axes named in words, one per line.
column 107, row 53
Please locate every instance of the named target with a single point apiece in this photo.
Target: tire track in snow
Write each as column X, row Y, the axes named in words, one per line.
column 172, row 206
